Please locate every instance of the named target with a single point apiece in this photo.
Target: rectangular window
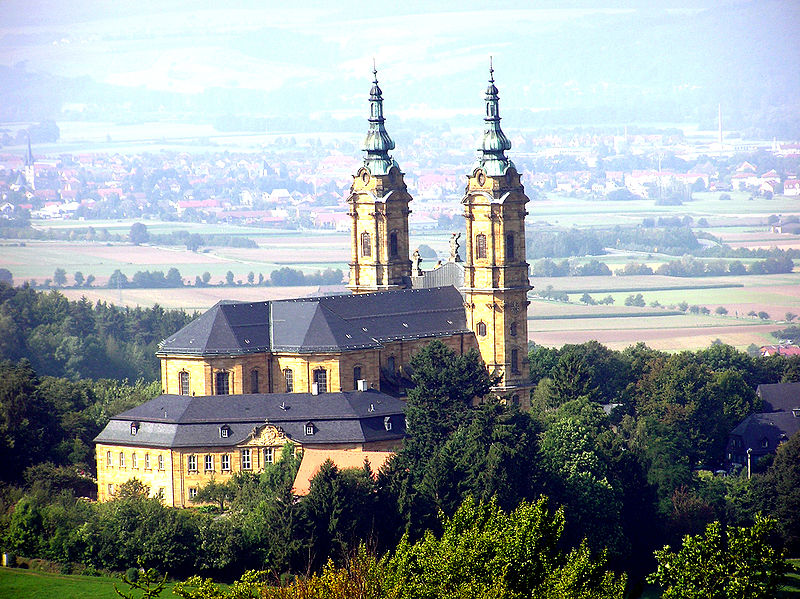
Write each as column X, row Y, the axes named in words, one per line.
column 183, row 383
column 321, row 379
column 191, row 463
column 509, row 247
column 356, row 377
column 246, row 464
column 161, row 462
column 254, row 381
column 108, row 459
column 134, row 460
column 480, row 245
column 269, row 455
column 209, row 463
column 288, row 374
column 110, row 489
column 147, row 461
column 514, row 359
column 192, row 492
column 366, row 245
column 121, row 460
column 222, row 386
column 226, row 462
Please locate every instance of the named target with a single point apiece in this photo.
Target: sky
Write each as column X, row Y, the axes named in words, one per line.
column 432, row 57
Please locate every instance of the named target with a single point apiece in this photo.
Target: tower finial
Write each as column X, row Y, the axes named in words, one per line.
column 377, row 143
column 494, row 144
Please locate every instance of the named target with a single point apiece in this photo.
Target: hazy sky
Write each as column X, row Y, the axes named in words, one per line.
column 319, row 54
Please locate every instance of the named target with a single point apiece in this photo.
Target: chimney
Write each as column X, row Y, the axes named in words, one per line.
column 314, row 388
column 362, row 385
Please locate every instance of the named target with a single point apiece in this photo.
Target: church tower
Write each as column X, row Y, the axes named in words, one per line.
column 378, row 203
column 495, row 272
column 29, row 172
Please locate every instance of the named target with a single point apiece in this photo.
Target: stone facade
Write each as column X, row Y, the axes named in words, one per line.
column 379, row 258
column 496, row 280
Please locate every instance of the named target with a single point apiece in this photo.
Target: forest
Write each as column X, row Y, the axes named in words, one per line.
column 566, row 499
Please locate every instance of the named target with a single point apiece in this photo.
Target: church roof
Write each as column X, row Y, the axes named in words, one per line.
column 183, row 421
column 321, row 324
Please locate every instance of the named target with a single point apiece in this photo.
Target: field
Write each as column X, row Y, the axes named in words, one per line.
column 27, row 584
column 740, row 222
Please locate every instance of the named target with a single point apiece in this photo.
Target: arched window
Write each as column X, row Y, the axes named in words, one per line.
column 321, row 379
column 222, row 383
column 480, row 329
column 512, row 330
column 288, row 376
column 366, row 244
column 510, row 247
column 390, row 364
column 480, row 245
column 356, row 376
column 254, row 381
column 393, row 244
column 183, row 382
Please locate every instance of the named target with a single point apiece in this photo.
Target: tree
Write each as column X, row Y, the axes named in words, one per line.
column 89, row 281
column 723, row 562
column 588, row 299
column 79, row 278
column 6, row 276
column 60, row 277
column 790, row 316
column 763, row 315
column 445, row 387
column 486, row 552
column 214, row 492
column 117, row 280
column 251, row 277
column 721, row 310
column 635, row 300
column 229, row 277
column 149, row 582
column 779, row 488
column 138, row 234
column 193, row 242
column 206, row 277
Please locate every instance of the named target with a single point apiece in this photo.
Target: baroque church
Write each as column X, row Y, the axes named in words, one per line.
column 325, row 373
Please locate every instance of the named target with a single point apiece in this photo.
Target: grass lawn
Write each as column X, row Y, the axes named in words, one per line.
column 27, row 584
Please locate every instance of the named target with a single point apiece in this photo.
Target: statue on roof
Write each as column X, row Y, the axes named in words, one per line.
column 416, row 260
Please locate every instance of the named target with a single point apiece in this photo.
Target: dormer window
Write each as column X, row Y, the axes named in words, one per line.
column 224, row 431
column 134, row 428
column 310, row 428
column 387, row 423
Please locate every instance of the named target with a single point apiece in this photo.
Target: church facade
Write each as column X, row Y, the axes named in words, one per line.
column 334, row 358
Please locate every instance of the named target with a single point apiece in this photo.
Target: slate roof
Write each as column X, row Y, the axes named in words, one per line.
column 774, row 427
column 182, row 421
column 321, row 324
column 779, row 396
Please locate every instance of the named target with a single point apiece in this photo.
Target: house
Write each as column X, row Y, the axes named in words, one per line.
column 175, row 444
column 760, row 434
column 791, row 187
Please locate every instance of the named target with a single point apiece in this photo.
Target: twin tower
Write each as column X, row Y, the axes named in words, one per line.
column 494, row 281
